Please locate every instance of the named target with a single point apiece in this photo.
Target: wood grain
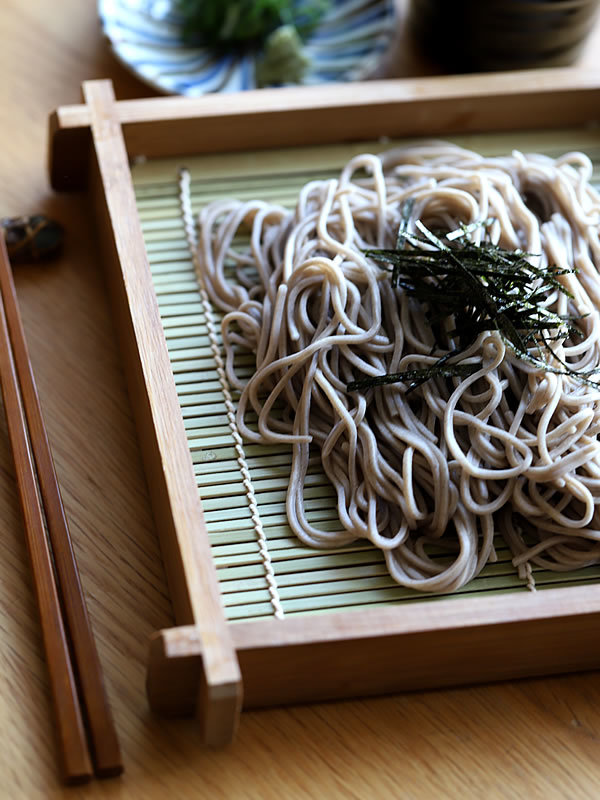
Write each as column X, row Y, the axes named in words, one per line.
column 438, row 105
column 73, row 753
column 384, row 650
column 104, row 745
column 523, row 739
column 192, row 577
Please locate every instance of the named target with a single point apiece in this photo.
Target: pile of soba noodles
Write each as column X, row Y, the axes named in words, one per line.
column 511, row 448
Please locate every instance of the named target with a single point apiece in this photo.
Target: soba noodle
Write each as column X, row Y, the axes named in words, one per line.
column 510, row 448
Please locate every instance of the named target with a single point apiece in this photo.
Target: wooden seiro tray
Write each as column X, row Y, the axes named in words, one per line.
column 348, row 630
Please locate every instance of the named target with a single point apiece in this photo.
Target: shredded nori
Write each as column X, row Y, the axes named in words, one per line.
column 475, row 288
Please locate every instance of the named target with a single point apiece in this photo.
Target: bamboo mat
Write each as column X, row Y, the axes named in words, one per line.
column 308, row 580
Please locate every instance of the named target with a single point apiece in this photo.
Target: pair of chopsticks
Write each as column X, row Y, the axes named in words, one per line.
column 86, row 734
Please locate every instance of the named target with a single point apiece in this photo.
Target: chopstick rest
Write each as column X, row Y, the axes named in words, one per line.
column 31, row 238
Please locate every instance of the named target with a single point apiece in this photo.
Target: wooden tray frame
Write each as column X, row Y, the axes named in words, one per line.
column 201, row 665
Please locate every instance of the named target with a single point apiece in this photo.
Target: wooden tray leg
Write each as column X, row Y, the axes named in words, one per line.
column 177, row 685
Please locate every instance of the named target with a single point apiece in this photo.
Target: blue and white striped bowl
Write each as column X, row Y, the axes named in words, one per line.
column 145, row 35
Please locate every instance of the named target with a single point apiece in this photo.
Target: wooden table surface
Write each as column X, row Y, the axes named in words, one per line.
column 525, row 739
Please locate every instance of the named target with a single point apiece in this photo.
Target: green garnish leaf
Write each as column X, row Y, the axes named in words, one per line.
column 217, row 23
column 415, row 377
column 466, row 289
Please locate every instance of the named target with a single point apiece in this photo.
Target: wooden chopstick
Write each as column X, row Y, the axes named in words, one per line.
column 35, row 467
